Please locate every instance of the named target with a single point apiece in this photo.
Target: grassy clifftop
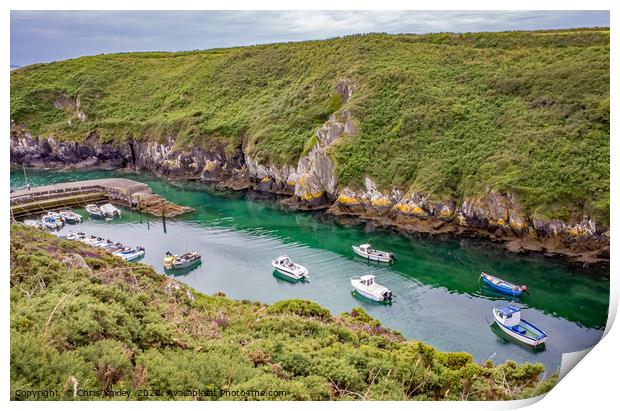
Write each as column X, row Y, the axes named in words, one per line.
column 85, row 324
column 446, row 114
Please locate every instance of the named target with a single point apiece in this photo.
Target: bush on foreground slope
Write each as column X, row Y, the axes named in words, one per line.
column 99, row 324
column 445, row 114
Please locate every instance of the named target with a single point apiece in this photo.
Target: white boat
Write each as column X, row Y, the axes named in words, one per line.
column 33, row 223
column 368, row 288
column 181, row 261
column 130, row 254
column 285, row 266
column 51, row 222
column 510, row 323
column 94, row 211
column 70, row 216
column 109, row 211
column 366, row 251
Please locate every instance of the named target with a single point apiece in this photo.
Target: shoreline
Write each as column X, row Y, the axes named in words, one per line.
column 587, row 262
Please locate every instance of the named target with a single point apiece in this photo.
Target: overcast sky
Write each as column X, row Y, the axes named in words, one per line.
column 43, row 36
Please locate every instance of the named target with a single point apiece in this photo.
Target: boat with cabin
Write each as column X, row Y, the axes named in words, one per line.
column 503, row 286
column 510, row 323
column 366, row 251
column 285, row 266
column 367, row 287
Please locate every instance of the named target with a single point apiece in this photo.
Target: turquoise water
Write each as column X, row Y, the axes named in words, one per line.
column 438, row 298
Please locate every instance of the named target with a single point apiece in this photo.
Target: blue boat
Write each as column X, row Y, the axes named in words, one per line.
column 510, row 322
column 503, row 286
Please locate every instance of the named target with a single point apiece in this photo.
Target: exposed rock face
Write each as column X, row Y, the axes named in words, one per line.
column 315, row 180
column 312, row 183
column 495, row 215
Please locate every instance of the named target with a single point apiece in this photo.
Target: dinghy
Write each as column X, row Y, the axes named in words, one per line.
column 109, row 211
column 366, row 251
column 503, row 286
column 368, row 288
column 94, row 211
column 71, row 217
column 130, row 254
column 511, row 324
column 288, row 268
column 183, row 261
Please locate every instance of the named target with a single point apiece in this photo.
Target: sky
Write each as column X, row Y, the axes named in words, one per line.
column 44, row 36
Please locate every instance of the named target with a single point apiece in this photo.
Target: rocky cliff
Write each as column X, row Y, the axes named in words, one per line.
column 312, row 184
column 426, row 134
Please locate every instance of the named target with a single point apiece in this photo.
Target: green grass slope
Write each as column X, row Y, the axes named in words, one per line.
column 445, row 114
column 93, row 327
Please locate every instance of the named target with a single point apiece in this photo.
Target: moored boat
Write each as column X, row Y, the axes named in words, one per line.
column 52, row 222
column 510, row 323
column 368, row 288
column 70, row 217
column 130, row 254
column 181, row 261
column 285, row 266
column 168, row 260
column 366, row 251
column 109, row 211
column 503, row 286
column 94, row 211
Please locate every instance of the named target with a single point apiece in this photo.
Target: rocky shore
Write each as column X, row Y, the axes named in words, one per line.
column 312, row 185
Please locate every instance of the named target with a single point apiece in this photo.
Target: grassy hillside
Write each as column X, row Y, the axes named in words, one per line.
column 446, row 114
column 97, row 324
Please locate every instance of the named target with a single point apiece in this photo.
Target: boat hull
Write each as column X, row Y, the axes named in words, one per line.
column 369, row 296
column 533, row 342
column 132, row 256
column 500, row 288
column 186, row 264
column 289, row 274
column 367, row 256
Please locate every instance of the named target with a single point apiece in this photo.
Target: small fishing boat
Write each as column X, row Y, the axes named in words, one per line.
column 109, row 211
column 104, row 244
column 51, row 222
column 70, row 217
column 288, row 268
column 366, row 251
column 181, row 261
column 368, row 288
column 114, row 247
column 94, row 211
column 503, row 286
column 130, row 254
column 511, row 324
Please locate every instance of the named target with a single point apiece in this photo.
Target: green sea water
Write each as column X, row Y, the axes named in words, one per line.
column 438, row 298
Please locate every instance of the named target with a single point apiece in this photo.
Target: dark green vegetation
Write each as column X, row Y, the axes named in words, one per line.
column 446, row 114
column 100, row 324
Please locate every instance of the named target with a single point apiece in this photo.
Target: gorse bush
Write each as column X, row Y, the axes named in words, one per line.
column 86, row 333
column 445, row 114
